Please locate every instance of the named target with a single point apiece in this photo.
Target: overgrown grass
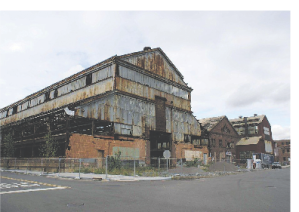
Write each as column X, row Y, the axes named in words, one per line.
column 127, row 171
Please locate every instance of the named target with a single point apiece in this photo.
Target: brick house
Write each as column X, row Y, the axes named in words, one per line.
column 221, row 138
column 256, row 136
column 283, row 151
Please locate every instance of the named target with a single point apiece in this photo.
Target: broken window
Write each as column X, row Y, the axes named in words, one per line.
column 47, row 96
column 195, row 140
column 213, row 142
column 204, row 142
column 187, row 138
column 14, row 109
column 28, row 130
column 220, row 143
column 103, row 128
column 41, row 127
column 17, row 133
column 229, row 145
column 89, row 79
column 55, row 93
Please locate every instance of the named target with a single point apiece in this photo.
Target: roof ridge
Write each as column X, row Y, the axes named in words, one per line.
column 152, row 50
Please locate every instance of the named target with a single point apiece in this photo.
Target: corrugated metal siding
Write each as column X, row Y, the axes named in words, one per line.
column 80, row 83
column 151, row 82
column 155, row 63
column 92, row 90
column 183, row 123
column 150, row 93
column 126, row 113
column 103, row 74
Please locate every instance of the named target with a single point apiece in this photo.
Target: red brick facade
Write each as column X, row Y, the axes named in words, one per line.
column 86, row 146
column 225, row 133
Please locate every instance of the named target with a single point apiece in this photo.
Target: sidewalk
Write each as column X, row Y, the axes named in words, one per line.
column 89, row 176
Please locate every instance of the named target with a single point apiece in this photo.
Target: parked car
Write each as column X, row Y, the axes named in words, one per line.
column 276, row 165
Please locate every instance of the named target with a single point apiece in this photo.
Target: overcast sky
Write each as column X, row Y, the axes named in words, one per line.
column 238, row 63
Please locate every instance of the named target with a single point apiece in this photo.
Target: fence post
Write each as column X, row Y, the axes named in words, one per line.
column 167, row 164
column 59, row 167
column 27, row 166
column 159, row 164
column 134, row 167
column 106, row 167
column 181, row 166
column 79, row 167
column 41, row 165
column 15, row 163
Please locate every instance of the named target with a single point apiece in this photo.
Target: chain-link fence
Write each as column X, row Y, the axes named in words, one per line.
column 118, row 165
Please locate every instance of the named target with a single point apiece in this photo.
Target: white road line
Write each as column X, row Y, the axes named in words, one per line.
column 29, row 190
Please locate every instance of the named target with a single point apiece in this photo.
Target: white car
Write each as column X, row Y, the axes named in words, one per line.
column 276, row 165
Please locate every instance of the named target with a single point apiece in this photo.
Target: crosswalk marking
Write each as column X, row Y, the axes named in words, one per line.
column 30, row 190
column 35, row 182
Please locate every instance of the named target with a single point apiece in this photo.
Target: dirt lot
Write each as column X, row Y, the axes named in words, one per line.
column 222, row 166
column 218, row 166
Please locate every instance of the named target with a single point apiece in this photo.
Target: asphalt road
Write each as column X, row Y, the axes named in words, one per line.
column 266, row 190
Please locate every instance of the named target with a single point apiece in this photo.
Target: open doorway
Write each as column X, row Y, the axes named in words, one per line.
column 159, row 142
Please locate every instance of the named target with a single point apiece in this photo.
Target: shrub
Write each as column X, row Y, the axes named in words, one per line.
column 193, row 163
column 114, row 162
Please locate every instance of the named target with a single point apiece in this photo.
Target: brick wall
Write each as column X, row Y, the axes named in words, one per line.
column 86, row 146
column 181, row 147
column 226, row 136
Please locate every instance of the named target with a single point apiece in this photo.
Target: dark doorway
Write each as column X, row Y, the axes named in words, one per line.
column 160, row 141
column 160, row 113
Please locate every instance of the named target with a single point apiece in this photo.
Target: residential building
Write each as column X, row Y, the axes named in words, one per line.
column 256, row 136
column 221, row 138
column 283, row 151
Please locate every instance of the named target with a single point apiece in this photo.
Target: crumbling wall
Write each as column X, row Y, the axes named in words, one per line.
column 86, row 146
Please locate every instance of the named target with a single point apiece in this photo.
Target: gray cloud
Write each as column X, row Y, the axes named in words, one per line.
column 236, row 62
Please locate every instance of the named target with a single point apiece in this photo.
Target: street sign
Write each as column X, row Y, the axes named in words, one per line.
column 166, row 154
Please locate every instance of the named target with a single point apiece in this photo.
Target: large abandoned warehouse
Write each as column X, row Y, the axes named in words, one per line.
column 137, row 103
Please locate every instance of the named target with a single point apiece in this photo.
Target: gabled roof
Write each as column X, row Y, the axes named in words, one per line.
column 248, row 141
column 210, row 123
column 153, row 50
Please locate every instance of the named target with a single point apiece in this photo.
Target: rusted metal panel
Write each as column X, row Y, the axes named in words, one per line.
column 102, row 74
column 66, row 88
column 3, row 114
column 155, row 63
column 92, row 90
column 123, row 129
column 142, row 90
column 181, row 123
column 142, row 79
column 75, row 85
